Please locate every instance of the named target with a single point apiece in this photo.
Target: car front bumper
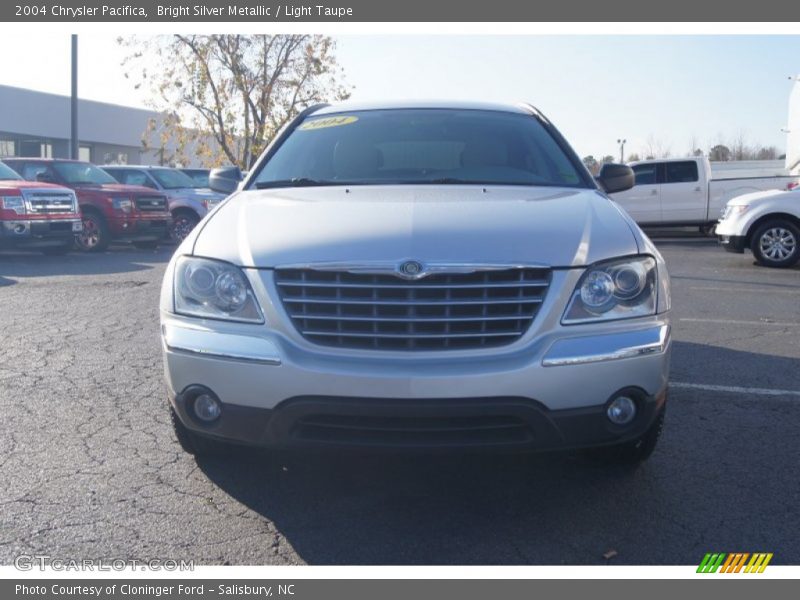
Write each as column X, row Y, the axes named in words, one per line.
column 39, row 232
column 151, row 227
column 552, row 394
column 733, row 243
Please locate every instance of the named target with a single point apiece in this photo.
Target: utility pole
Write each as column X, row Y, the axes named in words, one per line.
column 621, row 143
column 73, row 140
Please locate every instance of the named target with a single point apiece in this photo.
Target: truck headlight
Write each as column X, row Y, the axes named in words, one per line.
column 214, row 289
column 618, row 289
column 123, row 204
column 732, row 210
column 15, row 203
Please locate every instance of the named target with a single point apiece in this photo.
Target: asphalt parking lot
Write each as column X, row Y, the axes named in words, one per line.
column 90, row 468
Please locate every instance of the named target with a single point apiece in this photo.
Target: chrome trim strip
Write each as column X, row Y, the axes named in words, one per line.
column 600, row 348
column 211, row 344
column 394, row 268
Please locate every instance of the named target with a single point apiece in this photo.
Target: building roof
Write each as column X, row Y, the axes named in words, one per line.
column 41, row 114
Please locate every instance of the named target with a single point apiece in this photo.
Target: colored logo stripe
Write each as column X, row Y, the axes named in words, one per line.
column 734, row 562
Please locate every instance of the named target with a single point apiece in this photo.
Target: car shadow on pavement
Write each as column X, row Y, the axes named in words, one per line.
column 721, row 454
column 123, row 259
column 415, row 509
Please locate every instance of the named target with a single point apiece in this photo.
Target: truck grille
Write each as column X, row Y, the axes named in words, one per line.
column 47, row 203
column 439, row 312
column 151, row 203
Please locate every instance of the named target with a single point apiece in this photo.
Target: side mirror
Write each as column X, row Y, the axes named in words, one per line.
column 225, row 180
column 615, row 178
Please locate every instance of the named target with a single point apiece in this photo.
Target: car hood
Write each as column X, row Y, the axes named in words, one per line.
column 28, row 185
column 757, row 197
column 559, row 227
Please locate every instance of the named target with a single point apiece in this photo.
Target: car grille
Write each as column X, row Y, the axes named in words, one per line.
column 47, row 203
column 151, row 204
column 441, row 311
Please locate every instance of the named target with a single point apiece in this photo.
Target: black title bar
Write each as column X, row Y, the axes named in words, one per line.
column 399, row 11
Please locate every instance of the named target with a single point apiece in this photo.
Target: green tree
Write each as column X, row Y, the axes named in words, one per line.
column 720, row 153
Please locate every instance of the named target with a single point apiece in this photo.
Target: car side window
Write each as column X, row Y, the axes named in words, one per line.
column 681, row 172
column 137, row 178
column 32, row 170
column 646, row 174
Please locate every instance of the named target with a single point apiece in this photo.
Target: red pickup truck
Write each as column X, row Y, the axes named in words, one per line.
column 36, row 215
column 111, row 211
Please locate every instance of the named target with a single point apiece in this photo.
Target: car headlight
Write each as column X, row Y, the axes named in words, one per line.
column 123, row 204
column 15, row 203
column 214, row 289
column 732, row 210
column 618, row 289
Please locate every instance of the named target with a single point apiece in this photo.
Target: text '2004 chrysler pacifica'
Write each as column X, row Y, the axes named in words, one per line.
column 419, row 275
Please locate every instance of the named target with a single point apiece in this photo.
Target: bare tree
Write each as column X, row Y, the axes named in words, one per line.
column 655, row 148
column 694, row 147
column 226, row 96
column 739, row 147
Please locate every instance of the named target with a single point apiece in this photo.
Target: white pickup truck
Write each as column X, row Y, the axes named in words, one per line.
column 682, row 191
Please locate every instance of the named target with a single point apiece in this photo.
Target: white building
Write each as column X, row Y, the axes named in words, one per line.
column 38, row 124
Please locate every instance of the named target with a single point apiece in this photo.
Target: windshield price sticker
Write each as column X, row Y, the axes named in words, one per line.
column 327, row 122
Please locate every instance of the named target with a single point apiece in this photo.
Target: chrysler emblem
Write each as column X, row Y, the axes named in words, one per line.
column 411, row 269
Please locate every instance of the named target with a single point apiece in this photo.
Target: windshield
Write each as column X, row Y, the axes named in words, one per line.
column 199, row 177
column 80, row 172
column 408, row 146
column 7, row 173
column 172, row 179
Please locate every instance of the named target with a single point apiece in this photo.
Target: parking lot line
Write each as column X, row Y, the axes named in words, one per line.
column 759, row 290
column 735, row 322
column 733, row 389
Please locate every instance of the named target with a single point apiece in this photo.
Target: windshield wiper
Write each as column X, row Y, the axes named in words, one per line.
column 293, row 182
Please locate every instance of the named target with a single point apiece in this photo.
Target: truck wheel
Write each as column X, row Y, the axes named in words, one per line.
column 59, row 250
column 775, row 244
column 194, row 444
column 632, row 454
column 183, row 221
column 95, row 236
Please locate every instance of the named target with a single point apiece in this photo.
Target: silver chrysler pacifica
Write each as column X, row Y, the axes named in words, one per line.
column 419, row 276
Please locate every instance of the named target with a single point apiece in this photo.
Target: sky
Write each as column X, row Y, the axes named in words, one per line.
column 667, row 90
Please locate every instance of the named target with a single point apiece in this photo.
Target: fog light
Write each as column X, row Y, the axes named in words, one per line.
column 621, row 411
column 206, row 408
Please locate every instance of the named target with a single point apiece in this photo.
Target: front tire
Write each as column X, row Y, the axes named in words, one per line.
column 776, row 244
column 183, row 221
column 96, row 236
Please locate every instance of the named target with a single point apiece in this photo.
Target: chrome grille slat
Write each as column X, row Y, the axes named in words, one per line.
column 151, row 203
column 406, row 286
column 400, row 302
column 441, row 311
column 414, row 335
column 49, row 203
